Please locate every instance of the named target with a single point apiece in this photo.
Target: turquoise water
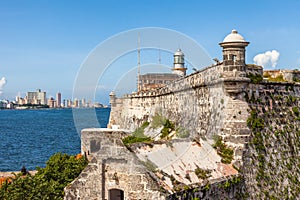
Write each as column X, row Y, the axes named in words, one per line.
column 29, row 137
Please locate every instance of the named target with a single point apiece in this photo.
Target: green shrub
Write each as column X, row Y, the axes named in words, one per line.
column 48, row 183
column 255, row 78
column 137, row 136
column 296, row 79
column 296, row 111
column 167, row 129
column 201, row 173
column 255, row 122
column 145, row 125
column 225, row 152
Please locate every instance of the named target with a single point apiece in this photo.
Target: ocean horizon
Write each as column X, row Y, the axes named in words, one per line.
column 29, row 137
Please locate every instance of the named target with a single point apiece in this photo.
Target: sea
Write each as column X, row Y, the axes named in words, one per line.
column 29, row 137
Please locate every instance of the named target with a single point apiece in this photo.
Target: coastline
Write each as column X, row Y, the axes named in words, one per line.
column 11, row 173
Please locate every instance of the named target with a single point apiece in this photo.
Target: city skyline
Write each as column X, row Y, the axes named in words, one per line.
column 39, row 99
column 43, row 44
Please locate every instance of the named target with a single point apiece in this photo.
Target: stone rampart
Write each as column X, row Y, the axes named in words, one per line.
column 271, row 156
column 203, row 103
column 113, row 171
column 207, row 106
column 260, row 121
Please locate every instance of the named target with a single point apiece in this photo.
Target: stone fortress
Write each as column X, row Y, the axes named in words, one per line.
column 257, row 118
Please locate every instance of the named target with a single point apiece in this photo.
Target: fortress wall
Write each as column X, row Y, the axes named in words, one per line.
column 230, row 188
column 271, row 157
column 192, row 102
column 112, row 167
column 266, row 150
column 202, row 103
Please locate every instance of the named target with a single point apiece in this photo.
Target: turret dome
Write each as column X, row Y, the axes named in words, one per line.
column 234, row 37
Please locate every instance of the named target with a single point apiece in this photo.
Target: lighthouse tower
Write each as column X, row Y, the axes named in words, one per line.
column 234, row 47
column 178, row 67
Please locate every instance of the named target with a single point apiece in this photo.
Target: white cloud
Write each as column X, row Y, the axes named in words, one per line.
column 2, row 83
column 269, row 58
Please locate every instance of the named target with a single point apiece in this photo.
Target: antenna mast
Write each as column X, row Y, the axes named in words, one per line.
column 139, row 63
column 159, row 56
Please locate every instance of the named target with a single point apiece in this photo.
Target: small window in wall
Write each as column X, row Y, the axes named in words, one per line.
column 116, row 194
column 234, row 57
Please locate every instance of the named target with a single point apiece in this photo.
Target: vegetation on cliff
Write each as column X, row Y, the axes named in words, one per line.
column 297, row 80
column 137, row 136
column 225, row 152
column 255, row 78
column 272, row 167
column 165, row 125
column 48, row 183
column 222, row 189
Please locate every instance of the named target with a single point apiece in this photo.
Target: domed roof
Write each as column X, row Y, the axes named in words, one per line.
column 234, row 37
column 112, row 93
column 178, row 53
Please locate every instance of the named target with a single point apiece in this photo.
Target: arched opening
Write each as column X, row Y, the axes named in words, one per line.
column 115, row 194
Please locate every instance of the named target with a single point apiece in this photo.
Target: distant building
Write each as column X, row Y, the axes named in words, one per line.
column 286, row 75
column 58, row 99
column 64, row 103
column 3, row 104
column 83, row 103
column 89, row 104
column 21, row 101
column 51, row 102
column 37, row 97
column 151, row 81
column 76, row 103
column 69, row 103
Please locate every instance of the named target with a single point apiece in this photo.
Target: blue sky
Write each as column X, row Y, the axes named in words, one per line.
column 43, row 43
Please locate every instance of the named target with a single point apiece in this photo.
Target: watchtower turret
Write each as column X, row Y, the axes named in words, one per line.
column 234, row 47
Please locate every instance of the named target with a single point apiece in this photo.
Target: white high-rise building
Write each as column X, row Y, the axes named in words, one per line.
column 37, row 97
